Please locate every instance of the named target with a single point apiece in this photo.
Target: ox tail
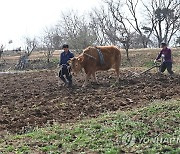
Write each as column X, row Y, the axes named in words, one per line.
column 118, row 58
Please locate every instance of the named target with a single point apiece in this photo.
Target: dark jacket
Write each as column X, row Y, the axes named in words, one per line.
column 167, row 55
column 64, row 57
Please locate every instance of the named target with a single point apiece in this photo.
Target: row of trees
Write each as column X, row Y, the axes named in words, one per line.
column 125, row 23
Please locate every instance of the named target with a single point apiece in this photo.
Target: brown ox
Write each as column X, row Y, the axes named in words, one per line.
column 89, row 60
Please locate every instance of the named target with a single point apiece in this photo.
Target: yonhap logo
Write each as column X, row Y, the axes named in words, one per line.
column 130, row 140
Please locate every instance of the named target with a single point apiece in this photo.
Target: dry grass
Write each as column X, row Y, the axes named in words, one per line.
column 139, row 57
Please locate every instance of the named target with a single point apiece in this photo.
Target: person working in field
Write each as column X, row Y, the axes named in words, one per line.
column 166, row 56
column 65, row 56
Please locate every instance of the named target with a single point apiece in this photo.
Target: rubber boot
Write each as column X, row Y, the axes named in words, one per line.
column 64, row 80
column 70, row 84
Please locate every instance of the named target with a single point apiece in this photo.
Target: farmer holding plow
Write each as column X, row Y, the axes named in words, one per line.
column 166, row 56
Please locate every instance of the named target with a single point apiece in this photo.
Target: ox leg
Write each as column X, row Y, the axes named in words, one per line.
column 86, row 80
column 95, row 78
column 117, row 65
column 117, row 73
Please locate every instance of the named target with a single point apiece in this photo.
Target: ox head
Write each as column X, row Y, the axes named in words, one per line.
column 75, row 64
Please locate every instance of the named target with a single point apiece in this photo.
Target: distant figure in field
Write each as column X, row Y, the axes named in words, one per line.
column 1, row 50
column 166, row 56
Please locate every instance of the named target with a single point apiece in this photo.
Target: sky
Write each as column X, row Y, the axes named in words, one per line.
column 28, row 18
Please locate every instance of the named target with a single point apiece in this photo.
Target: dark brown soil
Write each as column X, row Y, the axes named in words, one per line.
column 32, row 99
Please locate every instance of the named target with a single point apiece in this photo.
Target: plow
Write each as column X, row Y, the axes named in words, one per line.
column 156, row 65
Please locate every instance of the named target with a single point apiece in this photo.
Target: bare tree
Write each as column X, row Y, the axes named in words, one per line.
column 1, row 50
column 143, row 31
column 2, row 47
column 102, row 25
column 51, row 41
column 113, row 26
column 177, row 41
column 126, row 34
column 98, row 28
column 164, row 15
column 76, row 30
column 31, row 44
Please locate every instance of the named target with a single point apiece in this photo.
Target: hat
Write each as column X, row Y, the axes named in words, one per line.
column 163, row 44
column 65, row 46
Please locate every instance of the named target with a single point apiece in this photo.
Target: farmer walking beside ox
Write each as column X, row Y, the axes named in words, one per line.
column 166, row 56
column 65, row 69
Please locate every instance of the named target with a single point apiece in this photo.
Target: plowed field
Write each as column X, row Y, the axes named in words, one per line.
column 32, row 99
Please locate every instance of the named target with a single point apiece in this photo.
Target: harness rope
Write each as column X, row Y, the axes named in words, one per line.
column 89, row 55
column 101, row 57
